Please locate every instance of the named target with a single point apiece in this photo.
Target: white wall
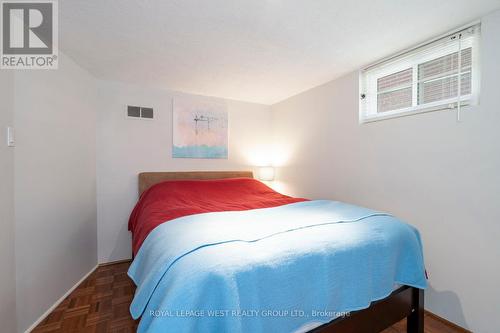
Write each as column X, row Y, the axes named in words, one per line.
column 7, row 257
column 431, row 171
column 56, row 237
column 126, row 147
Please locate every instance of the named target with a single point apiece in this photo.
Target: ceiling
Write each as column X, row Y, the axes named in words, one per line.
column 251, row 50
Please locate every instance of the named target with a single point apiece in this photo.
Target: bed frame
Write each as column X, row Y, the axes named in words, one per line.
column 148, row 179
column 405, row 302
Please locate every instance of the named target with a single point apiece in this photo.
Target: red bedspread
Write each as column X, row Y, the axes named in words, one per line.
column 172, row 199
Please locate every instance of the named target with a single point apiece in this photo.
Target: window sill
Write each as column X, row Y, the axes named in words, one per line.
column 410, row 112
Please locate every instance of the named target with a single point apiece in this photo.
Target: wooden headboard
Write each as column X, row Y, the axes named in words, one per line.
column 148, row 179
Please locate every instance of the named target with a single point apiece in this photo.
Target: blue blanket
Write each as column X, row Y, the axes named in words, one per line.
column 271, row 270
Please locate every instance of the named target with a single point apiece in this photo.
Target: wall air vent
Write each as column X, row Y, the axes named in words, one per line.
column 139, row 112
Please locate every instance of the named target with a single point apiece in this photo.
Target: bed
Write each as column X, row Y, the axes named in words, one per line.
column 222, row 252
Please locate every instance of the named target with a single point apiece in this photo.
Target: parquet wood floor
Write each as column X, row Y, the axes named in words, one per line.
column 101, row 304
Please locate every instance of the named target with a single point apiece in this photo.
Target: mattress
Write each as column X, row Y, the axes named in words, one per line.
column 284, row 269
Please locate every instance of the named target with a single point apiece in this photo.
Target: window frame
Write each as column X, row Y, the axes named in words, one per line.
column 412, row 58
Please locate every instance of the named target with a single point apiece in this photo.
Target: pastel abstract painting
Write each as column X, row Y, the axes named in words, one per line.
column 199, row 128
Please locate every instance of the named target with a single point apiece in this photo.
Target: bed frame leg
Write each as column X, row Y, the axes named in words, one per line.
column 415, row 321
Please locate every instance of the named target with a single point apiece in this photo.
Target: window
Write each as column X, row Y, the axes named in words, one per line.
column 441, row 74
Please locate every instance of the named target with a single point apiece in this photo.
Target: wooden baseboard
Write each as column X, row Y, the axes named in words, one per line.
column 447, row 322
column 114, row 262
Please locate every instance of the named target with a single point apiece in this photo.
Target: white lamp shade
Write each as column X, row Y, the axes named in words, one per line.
column 266, row 173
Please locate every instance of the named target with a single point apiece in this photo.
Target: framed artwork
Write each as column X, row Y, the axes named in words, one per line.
column 199, row 128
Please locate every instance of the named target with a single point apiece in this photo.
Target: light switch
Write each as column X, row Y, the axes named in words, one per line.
column 11, row 142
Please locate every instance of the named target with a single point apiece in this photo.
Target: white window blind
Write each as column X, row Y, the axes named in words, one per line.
column 440, row 74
